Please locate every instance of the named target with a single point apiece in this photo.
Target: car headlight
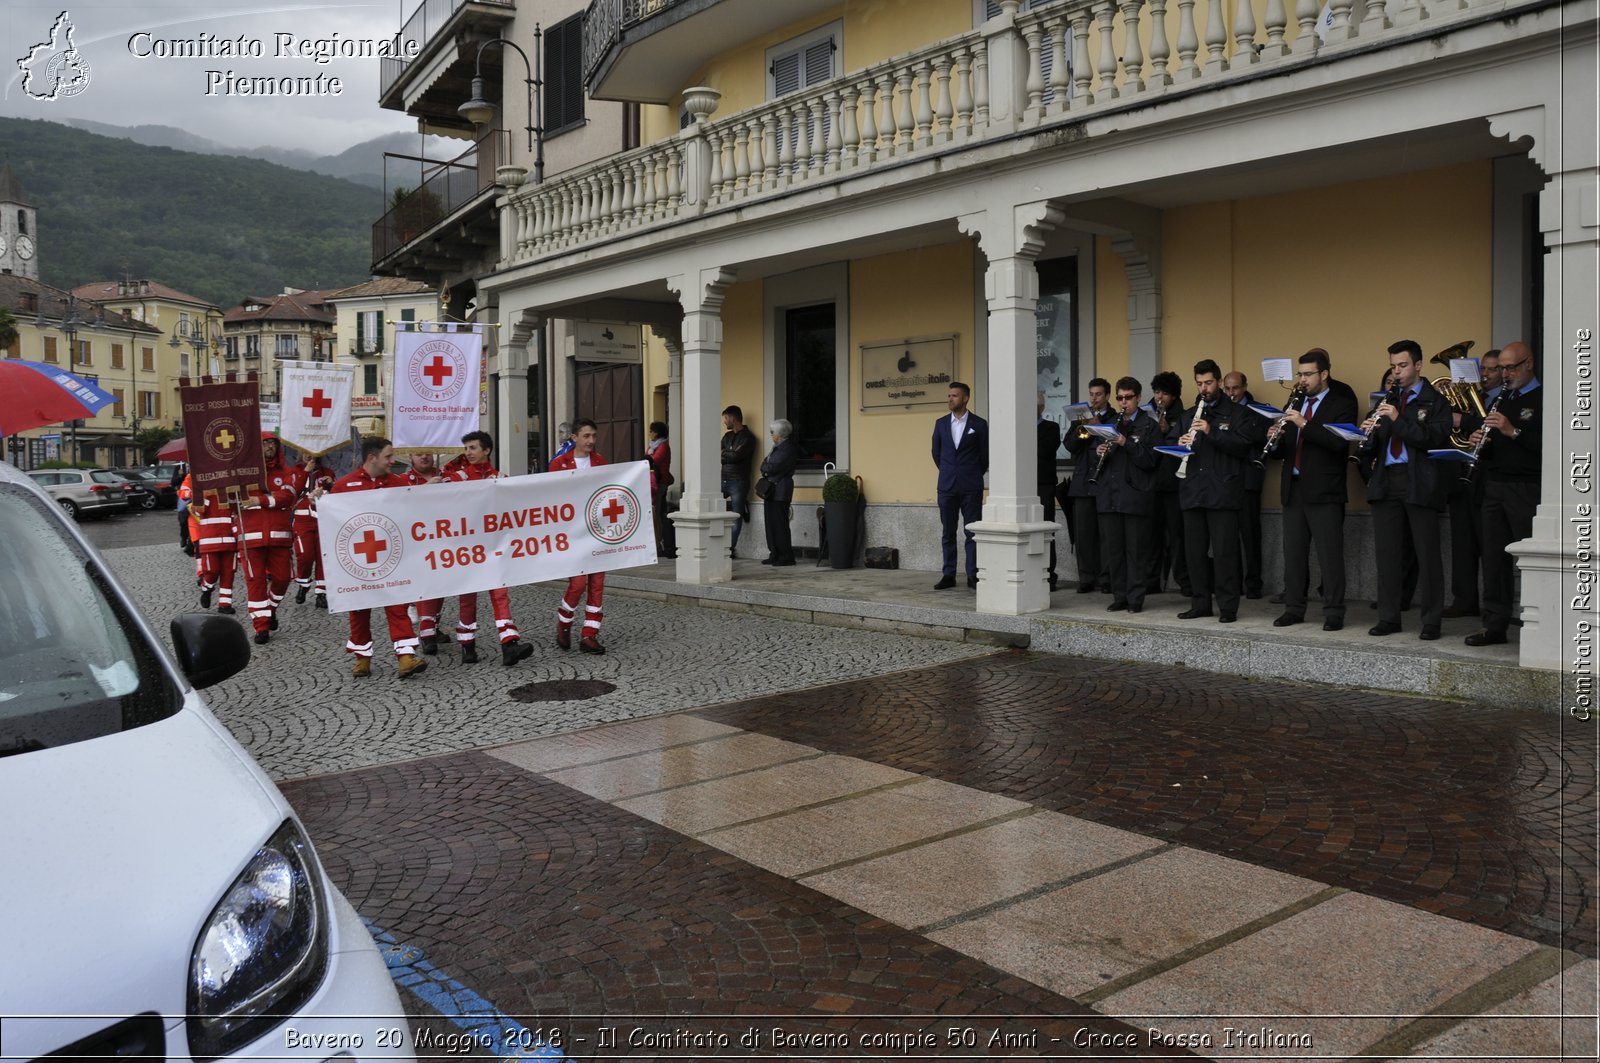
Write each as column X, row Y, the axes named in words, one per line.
column 264, row 950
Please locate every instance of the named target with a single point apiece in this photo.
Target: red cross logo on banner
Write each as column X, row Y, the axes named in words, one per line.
column 317, row 403
column 613, row 510
column 370, row 546
column 438, row 371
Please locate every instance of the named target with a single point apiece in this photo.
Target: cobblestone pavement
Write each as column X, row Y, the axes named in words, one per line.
column 299, row 711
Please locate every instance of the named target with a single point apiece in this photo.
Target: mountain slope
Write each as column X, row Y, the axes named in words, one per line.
column 220, row 227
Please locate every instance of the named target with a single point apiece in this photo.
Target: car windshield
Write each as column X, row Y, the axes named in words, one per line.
column 103, row 477
column 73, row 665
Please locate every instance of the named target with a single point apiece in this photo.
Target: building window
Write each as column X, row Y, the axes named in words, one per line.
column 408, row 315
column 50, row 349
column 369, row 380
column 563, row 75
column 149, row 404
column 22, row 222
column 230, row 348
column 809, row 380
column 252, row 346
column 116, row 404
column 85, row 353
column 288, row 347
column 147, row 359
column 369, row 332
column 183, row 363
column 116, row 356
column 803, row 61
column 183, row 324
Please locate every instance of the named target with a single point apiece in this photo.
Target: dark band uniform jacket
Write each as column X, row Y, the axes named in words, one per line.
column 1083, row 458
column 1324, row 463
column 1504, row 458
column 1215, row 477
column 1424, row 425
column 1128, row 478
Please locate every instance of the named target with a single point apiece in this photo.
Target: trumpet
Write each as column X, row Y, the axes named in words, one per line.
column 1297, row 395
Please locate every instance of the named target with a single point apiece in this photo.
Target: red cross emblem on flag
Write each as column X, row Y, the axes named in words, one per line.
column 317, row 403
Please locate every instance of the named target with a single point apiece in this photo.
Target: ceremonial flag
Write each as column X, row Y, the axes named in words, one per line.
column 316, row 406
column 222, row 423
column 436, row 376
column 409, row 544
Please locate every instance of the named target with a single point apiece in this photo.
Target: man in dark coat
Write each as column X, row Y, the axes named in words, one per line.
column 1092, row 573
column 738, row 453
column 1407, row 489
column 1222, row 435
column 1237, row 387
column 1166, row 525
column 1512, row 436
column 1312, row 486
column 1049, row 446
column 1126, row 498
column 961, row 453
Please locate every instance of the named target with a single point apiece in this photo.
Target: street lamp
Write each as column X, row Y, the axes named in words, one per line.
column 479, row 111
column 69, row 324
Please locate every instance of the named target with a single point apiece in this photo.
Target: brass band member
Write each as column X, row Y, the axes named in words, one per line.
column 1212, row 492
column 1508, row 466
column 1237, row 387
column 1085, row 520
column 1049, row 444
column 1407, row 489
column 1466, row 509
column 1125, row 475
column 1166, row 525
column 1313, row 491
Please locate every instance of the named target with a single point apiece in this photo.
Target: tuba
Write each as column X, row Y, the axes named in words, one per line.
column 1465, row 399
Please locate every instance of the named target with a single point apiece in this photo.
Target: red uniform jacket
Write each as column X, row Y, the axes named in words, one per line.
column 360, row 481
column 271, row 523
column 305, row 508
column 569, row 460
column 217, row 532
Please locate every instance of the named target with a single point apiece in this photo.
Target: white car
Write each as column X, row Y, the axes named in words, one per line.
column 160, row 896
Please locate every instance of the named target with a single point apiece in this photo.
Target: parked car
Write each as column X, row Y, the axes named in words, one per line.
column 80, row 491
column 161, row 897
column 134, row 490
column 161, row 492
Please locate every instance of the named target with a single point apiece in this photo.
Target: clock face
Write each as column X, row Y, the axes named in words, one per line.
column 25, row 246
column 3, row 246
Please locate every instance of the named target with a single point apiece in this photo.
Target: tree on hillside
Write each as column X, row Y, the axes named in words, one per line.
column 8, row 329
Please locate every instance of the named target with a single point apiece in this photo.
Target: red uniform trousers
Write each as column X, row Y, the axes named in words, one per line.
column 401, row 632
column 266, row 578
column 467, row 617
column 216, row 572
column 594, row 586
column 308, row 561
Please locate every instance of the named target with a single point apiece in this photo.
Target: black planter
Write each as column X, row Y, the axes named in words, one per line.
column 841, row 519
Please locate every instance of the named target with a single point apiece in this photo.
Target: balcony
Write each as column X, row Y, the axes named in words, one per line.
column 365, row 348
column 645, row 51
column 439, row 209
column 1022, row 83
column 446, row 34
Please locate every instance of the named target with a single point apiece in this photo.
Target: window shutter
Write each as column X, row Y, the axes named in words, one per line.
column 377, row 332
column 819, row 63
column 786, row 74
column 572, row 86
column 116, row 404
column 361, row 332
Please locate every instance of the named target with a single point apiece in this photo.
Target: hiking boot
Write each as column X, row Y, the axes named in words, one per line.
column 263, row 637
column 363, row 667
column 563, row 637
column 300, row 595
column 469, row 653
column 272, row 624
column 429, row 645
column 590, row 644
column 515, row 651
column 410, row 665
column 205, row 598
column 225, row 609
column 322, row 601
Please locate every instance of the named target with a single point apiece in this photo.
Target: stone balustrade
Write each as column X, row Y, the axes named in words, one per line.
column 1019, row 71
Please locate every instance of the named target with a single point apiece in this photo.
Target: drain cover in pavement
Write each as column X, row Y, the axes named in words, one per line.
column 562, row 690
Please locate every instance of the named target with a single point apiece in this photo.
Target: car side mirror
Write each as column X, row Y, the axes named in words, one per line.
column 210, row 647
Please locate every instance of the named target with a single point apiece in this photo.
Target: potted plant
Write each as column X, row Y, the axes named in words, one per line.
column 839, row 495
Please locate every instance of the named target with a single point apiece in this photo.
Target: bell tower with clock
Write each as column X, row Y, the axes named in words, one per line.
column 19, row 253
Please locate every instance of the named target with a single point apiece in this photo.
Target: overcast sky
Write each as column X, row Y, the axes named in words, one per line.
column 125, row 90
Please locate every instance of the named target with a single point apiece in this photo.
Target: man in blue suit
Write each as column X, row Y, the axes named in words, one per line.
column 961, row 451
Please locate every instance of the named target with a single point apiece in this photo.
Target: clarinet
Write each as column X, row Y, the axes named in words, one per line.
column 1105, row 455
column 1392, row 398
column 1204, row 414
column 1472, row 457
column 1296, row 397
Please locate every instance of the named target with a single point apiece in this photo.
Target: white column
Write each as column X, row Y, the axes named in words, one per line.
column 1141, row 261
column 511, row 402
column 1558, row 562
column 1013, row 537
column 702, row 520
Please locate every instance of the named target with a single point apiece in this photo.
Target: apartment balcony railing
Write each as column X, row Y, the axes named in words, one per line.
column 441, row 188
column 604, row 22
column 365, row 348
column 424, row 25
column 948, row 97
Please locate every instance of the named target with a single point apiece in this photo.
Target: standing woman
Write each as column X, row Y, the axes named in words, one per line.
column 778, row 468
column 659, row 453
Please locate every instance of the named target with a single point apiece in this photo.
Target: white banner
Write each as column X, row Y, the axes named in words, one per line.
column 316, row 406
column 270, row 412
column 436, row 378
column 408, row 544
